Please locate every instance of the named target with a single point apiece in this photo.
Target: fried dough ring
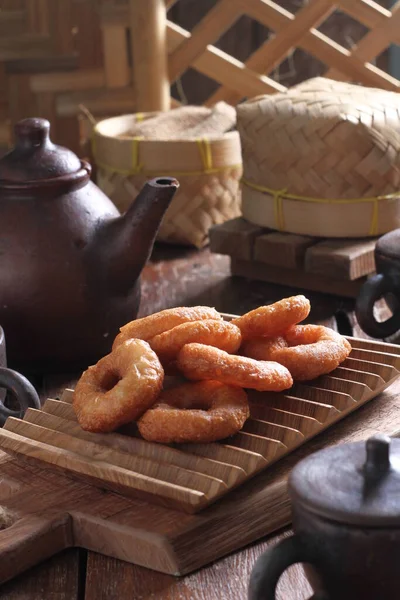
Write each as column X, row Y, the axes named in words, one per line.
column 148, row 327
column 211, row 332
column 273, row 319
column 119, row 388
column 308, row 351
column 197, row 361
column 204, row 411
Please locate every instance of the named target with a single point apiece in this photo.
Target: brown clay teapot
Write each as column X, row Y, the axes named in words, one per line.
column 346, row 518
column 69, row 262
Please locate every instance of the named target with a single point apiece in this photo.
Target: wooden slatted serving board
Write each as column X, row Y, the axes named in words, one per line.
column 50, row 510
column 190, row 477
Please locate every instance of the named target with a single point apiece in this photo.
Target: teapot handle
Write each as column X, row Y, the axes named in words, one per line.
column 23, row 391
column 270, row 566
column 374, row 288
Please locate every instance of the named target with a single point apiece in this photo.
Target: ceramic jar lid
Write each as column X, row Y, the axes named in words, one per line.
column 34, row 156
column 388, row 245
column 356, row 484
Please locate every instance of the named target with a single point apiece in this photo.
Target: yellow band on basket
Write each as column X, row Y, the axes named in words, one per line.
column 137, row 167
column 280, row 195
column 139, row 117
column 206, row 154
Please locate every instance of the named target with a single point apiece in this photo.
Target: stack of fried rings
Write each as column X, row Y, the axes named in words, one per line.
column 202, row 346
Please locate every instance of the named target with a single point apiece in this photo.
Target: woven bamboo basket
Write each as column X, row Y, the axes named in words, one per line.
column 209, row 172
column 322, row 159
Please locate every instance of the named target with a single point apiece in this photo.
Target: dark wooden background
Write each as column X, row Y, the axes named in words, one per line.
column 77, row 44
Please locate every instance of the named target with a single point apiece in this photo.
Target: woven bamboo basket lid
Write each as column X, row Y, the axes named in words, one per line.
column 208, row 169
column 322, row 159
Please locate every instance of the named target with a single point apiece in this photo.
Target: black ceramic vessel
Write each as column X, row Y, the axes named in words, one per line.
column 386, row 283
column 346, row 518
column 24, row 393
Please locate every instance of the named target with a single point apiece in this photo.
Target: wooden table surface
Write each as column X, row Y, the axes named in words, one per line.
column 176, row 277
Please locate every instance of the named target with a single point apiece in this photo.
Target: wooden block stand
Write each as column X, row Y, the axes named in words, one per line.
column 333, row 266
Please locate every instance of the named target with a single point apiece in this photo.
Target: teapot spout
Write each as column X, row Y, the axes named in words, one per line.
column 127, row 241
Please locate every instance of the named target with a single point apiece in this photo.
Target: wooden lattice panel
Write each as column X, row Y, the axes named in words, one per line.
column 192, row 476
column 253, row 77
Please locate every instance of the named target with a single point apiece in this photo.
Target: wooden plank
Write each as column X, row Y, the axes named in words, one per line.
column 317, row 410
column 357, row 390
column 210, row 29
column 119, row 580
column 248, row 460
column 374, row 345
column 376, row 356
column 274, row 16
column 59, row 409
column 55, row 579
column 87, row 40
column 275, row 50
column 372, row 380
column 338, row 400
column 38, row 16
column 115, row 478
column 267, row 447
column 286, row 435
column 282, row 249
column 12, row 22
column 369, row 13
column 100, row 102
column 28, row 65
column 48, row 535
column 93, row 451
column 115, row 49
column 387, row 372
column 213, row 62
column 343, row 259
column 149, row 54
column 235, row 238
column 303, row 423
column 228, row 473
column 295, row 278
column 374, row 42
column 222, row 67
column 24, row 46
column 61, row 26
column 84, row 79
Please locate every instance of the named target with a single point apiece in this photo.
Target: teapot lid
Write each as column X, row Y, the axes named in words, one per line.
column 356, row 484
column 34, row 156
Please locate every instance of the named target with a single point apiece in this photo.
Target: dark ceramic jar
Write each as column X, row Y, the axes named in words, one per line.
column 386, row 283
column 346, row 518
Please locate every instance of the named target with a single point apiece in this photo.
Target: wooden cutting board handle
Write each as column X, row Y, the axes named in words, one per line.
column 32, row 539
